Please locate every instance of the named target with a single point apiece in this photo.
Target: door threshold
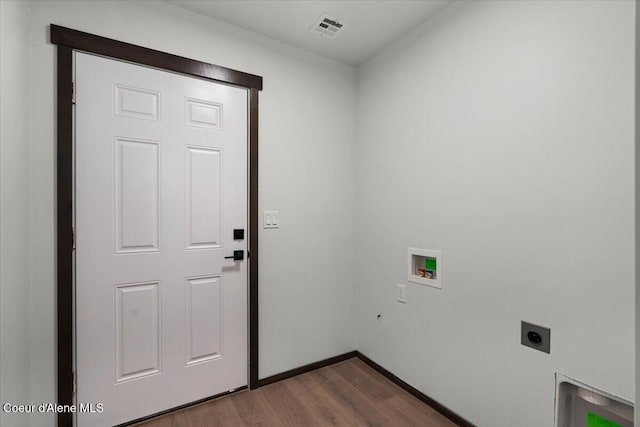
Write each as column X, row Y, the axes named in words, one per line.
column 181, row 407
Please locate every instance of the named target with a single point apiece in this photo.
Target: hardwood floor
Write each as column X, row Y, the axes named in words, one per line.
column 348, row 393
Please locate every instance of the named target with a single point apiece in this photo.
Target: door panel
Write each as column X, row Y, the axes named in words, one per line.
column 137, row 330
column 161, row 182
column 137, row 195
column 204, row 320
column 203, row 196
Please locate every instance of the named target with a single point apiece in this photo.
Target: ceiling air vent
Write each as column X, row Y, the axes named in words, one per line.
column 328, row 26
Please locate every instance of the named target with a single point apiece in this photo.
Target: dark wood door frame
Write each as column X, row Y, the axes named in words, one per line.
column 68, row 40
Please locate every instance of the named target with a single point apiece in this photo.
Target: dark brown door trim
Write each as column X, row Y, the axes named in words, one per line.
column 154, row 58
column 64, row 217
column 69, row 40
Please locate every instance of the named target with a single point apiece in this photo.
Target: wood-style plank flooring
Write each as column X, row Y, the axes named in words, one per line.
column 348, row 393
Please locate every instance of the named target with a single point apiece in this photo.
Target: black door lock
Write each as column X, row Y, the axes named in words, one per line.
column 534, row 337
column 237, row 256
column 238, row 234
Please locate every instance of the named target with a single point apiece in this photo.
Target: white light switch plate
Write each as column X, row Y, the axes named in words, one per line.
column 402, row 293
column 270, row 219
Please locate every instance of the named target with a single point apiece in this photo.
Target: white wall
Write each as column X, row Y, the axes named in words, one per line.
column 307, row 131
column 14, row 229
column 501, row 133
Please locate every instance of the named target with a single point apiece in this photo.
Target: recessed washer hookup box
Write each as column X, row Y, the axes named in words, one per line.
column 581, row 405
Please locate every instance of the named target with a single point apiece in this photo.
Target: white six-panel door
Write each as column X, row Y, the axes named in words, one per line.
column 161, row 182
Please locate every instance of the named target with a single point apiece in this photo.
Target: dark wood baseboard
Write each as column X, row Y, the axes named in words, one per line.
column 454, row 417
column 178, row 408
column 307, row 368
column 417, row 393
column 457, row 419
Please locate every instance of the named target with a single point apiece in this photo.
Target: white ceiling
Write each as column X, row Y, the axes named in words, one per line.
column 372, row 25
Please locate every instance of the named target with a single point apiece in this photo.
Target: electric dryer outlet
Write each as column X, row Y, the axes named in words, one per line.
column 535, row 336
